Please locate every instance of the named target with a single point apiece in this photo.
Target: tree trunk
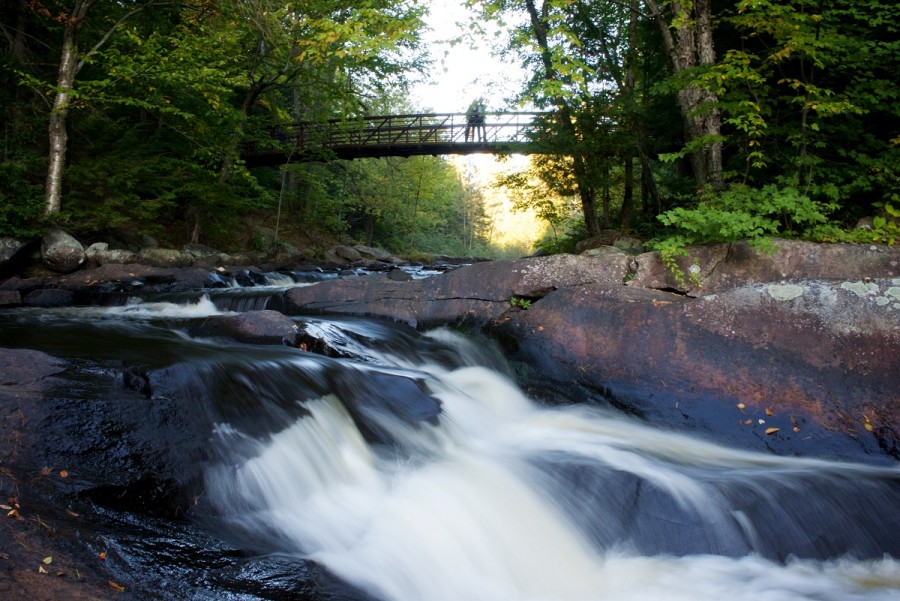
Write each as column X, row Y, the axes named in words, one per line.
column 688, row 46
column 579, row 163
column 628, row 194
column 58, row 135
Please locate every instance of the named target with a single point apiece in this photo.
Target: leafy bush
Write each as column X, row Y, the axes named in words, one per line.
column 886, row 227
column 740, row 213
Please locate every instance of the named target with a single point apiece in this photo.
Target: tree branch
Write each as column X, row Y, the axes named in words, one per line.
column 112, row 30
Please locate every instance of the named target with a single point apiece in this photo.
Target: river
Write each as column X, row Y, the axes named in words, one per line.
column 412, row 467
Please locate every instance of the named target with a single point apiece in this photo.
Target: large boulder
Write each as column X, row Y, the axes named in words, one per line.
column 347, row 253
column 61, row 252
column 807, row 367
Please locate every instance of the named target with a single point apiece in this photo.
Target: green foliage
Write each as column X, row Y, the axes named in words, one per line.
column 21, row 201
column 739, row 213
column 886, row 227
column 518, row 302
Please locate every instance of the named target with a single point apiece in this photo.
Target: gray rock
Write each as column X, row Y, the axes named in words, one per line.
column 99, row 253
column 348, row 253
column 199, row 250
column 710, row 269
column 49, row 297
column 9, row 247
column 164, row 257
column 10, row 298
column 629, row 244
column 602, row 250
column 61, row 252
column 604, row 238
column 398, row 275
column 372, row 253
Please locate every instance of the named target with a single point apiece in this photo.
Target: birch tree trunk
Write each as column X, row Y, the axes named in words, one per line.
column 70, row 63
column 58, row 135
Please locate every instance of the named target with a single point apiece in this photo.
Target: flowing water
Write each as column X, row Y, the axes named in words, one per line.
column 417, row 470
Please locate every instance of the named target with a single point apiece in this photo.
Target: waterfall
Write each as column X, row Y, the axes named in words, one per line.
column 417, row 470
column 501, row 499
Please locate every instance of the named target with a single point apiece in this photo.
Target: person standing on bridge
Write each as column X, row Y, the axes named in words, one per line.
column 475, row 121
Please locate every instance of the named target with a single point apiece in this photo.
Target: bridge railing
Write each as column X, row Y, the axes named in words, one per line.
column 399, row 135
column 430, row 128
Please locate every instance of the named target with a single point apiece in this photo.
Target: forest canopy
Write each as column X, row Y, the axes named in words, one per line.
column 685, row 122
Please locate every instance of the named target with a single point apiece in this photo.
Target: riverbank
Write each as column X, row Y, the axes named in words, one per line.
column 794, row 353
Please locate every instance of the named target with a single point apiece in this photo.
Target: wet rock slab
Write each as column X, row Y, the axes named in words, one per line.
column 794, row 352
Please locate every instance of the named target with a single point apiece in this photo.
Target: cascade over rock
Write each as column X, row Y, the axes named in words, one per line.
column 805, row 340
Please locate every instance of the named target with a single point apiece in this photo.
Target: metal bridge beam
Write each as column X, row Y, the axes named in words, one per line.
column 395, row 135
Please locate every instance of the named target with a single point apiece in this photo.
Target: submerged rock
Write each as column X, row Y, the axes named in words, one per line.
column 256, row 327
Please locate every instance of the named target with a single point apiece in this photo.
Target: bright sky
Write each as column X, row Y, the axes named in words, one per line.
column 462, row 72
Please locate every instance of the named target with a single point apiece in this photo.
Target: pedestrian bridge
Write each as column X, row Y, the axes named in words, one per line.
column 394, row 135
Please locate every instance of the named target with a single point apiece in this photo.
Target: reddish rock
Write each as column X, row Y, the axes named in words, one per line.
column 373, row 295
column 256, row 327
column 820, row 354
column 820, row 366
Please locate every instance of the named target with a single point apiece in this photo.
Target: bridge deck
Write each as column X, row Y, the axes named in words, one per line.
column 395, row 135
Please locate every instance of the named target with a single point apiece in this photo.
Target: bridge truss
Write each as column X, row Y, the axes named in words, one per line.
column 395, row 135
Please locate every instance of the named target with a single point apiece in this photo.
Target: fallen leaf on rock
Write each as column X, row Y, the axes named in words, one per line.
column 45, row 471
column 41, row 570
column 63, row 474
column 741, row 406
column 102, row 555
column 74, row 514
column 770, row 411
column 746, row 422
column 47, row 560
column 771, row 431
column 116, row 585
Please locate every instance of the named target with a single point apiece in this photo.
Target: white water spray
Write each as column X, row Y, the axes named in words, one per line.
column 468, row 516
